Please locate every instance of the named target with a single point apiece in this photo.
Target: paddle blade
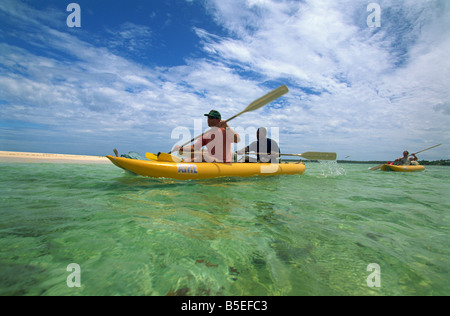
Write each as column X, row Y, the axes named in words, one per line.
column 151, row 156
column 259, row 103
column 376, row 167
column 313, row 155
column 269, row 97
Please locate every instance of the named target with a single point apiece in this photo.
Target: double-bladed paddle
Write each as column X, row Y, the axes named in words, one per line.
column 258, row 103
column 310, row 155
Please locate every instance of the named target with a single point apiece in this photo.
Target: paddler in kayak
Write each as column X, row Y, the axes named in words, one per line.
column 218, row 142
column 406, row 160
column 266, row 149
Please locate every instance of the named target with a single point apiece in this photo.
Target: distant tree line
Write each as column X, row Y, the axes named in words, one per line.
column 442, row 162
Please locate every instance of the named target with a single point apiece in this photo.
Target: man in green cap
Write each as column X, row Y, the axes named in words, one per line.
column 214, row 115
column 217, row 140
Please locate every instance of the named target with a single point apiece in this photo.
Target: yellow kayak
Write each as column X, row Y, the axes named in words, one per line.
column 203, row 170
column 411, row 168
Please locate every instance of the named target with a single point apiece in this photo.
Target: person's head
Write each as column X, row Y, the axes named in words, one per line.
column 261, row 133
column 214, row 118
column 405, row 153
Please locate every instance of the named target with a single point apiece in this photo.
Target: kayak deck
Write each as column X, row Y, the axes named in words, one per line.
column 410, row 168
column 203, row 170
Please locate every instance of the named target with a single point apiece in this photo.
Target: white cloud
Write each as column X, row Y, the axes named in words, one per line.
column 130, row 38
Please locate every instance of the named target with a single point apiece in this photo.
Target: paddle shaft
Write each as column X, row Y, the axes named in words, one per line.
column 311, row 155
column 426, row 149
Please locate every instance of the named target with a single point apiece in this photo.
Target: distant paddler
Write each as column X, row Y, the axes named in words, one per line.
column 406, row 160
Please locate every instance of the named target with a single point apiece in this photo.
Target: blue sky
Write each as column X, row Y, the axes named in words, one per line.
column 138, row 73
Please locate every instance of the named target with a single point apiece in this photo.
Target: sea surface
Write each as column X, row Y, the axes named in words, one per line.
column 338, row 229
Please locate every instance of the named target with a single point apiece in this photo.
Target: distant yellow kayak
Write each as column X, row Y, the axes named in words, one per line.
column 410, row 168
column 204, row 170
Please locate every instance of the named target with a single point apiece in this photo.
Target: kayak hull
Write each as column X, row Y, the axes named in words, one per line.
column 411, row 168
column 203, row 170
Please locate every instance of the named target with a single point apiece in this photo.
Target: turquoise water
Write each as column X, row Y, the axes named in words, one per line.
column 314, row 234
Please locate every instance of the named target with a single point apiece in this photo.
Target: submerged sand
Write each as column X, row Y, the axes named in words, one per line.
column 13, row 156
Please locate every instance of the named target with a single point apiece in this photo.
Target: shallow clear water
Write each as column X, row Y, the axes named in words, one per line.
column 313, row 234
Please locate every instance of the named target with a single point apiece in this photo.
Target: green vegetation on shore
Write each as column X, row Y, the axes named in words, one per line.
column 441, row 162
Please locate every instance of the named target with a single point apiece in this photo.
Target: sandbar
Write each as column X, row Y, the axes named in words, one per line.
column 28, row 157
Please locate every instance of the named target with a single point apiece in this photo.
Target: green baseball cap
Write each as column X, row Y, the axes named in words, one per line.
column 214, row 114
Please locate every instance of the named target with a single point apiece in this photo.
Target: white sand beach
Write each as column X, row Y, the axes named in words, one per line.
column 28, row 157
